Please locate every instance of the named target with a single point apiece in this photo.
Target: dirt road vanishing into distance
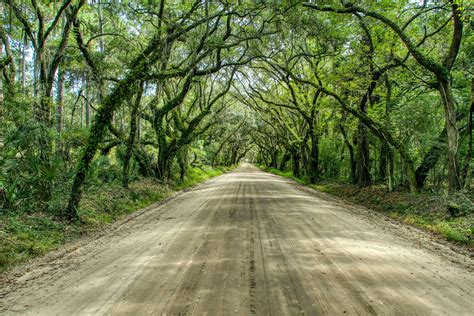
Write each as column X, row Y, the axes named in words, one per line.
column 244, row 243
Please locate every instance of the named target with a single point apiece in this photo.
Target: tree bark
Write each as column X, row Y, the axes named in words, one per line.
column 183, row 163
column 295, row 158
column 383, row 162
column 131, row 136
column 363, row 156
column 314, row 156
column 454, row 181
column 390, row 169
column 164, row 164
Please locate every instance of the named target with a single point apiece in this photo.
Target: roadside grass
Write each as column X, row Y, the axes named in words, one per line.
column 286, row 174
column 197, row 175
column 27, row 235
column 428, row 211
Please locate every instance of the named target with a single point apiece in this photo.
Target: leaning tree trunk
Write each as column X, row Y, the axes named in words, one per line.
column 103, row 118
column 97, row 132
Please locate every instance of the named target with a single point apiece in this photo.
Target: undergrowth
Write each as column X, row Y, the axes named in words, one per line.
column 449, row 216
column 24, row 235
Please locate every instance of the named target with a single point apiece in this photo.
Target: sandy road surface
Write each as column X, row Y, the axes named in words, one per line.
column 246, row 243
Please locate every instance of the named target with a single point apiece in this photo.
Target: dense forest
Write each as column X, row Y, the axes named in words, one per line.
column 101, row 91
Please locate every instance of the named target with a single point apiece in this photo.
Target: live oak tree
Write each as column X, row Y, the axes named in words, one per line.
column 197, row 18
column 440, row 69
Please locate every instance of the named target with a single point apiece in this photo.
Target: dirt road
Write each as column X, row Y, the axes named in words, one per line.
column 247, row 243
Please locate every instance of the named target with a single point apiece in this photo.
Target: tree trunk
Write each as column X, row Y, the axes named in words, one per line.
column 131, row 137
column 363, row 159
column 432, row 156
column 183, row 163
column 163, row 167
column 390, row 168
column 454, row 183
column 383, row 162
column 314, row 157
column 353, row 165
column 305, row 153
column 97, row 132
column 295, row 157
column 410, row 172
